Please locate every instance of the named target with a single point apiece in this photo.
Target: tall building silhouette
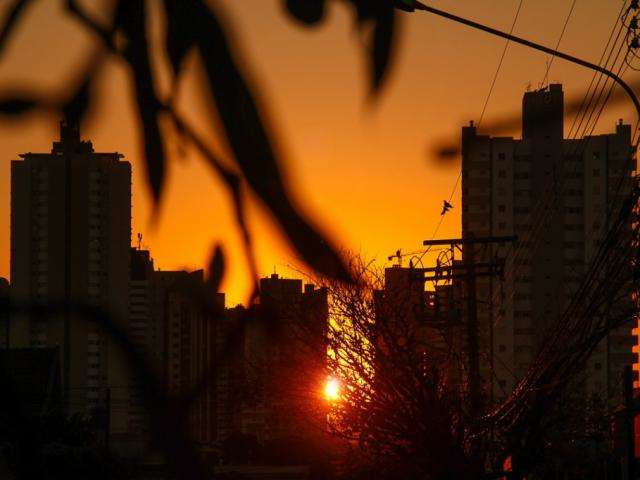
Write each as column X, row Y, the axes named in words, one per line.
column 282, row 370
column 190, row 331
column 145, row 329
column 557, row 195
column 70, row 240
column 431, row 319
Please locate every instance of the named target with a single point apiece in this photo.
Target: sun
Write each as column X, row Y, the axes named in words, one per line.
column 332, row 389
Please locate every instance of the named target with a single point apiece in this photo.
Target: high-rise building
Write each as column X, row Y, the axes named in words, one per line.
column 70, row 240
column 173, row 323
column 284, row 362
column 146, row 326
column 31, row 382
column 191, row 317
column 428, row 319
column 557, row 195
column 146, row 331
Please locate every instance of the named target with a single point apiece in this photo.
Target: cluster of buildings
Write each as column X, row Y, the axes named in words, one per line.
column 535, row 210
column 71, row 242
column 581, row 183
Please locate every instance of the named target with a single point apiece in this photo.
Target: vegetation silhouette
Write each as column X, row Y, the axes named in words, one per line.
column 195, row 26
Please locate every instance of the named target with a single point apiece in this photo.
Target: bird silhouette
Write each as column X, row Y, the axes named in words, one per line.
column 446, row 206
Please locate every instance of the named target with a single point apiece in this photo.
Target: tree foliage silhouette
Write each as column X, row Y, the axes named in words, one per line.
column 196, row 26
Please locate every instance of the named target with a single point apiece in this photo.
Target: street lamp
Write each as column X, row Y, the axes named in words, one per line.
column 412, row 5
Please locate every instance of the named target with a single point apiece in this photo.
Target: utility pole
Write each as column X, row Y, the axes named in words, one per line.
column 470, row 270
column 475, row 385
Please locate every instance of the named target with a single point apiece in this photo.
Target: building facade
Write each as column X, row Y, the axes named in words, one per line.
column 557, row 195
column 282, row 371
column 146, row 331
column 70, row 240
column 427, row 316
column 191, row 317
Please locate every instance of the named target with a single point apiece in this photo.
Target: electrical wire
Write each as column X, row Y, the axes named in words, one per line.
column 542, row 211
column 484, row 106
column 594, row 123
column 564, row 27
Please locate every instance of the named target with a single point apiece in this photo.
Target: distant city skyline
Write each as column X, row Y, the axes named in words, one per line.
column 328, row 129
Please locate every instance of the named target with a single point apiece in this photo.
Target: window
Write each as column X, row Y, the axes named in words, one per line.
column 596, row 172
column 501, row 156
column 502, row 174
column 502, row 348
column 501, row 208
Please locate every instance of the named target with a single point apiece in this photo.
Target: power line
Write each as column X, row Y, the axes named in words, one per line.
column 504, row 52
column 584, row 144
column 484, row 106
column 564, row 27
column 541, row 211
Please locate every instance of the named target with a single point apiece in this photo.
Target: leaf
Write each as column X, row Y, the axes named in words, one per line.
column 381, row 47
column 77, row 105
column 180, row 37
column 11, row 21
column 17, row 105
column 382, row 51
column 309, row 12
column 131, row 18
column 74, row 8
column 251, row 143
column 216, row 269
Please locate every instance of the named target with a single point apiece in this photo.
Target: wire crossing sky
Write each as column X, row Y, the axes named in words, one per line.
column 363, row 171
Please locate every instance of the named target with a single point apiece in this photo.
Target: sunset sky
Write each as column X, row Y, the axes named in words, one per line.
column 363, row 171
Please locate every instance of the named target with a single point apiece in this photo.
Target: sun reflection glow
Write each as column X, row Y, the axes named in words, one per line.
column 332, row 389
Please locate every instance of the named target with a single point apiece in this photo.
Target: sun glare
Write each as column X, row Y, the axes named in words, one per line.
column 332, row 389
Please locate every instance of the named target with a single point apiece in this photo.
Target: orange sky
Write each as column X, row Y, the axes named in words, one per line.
column 364, row 172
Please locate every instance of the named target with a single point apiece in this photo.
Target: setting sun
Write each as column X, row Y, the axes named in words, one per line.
column 332, row 389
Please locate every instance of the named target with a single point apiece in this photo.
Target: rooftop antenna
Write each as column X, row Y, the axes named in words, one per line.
column 139, row 241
